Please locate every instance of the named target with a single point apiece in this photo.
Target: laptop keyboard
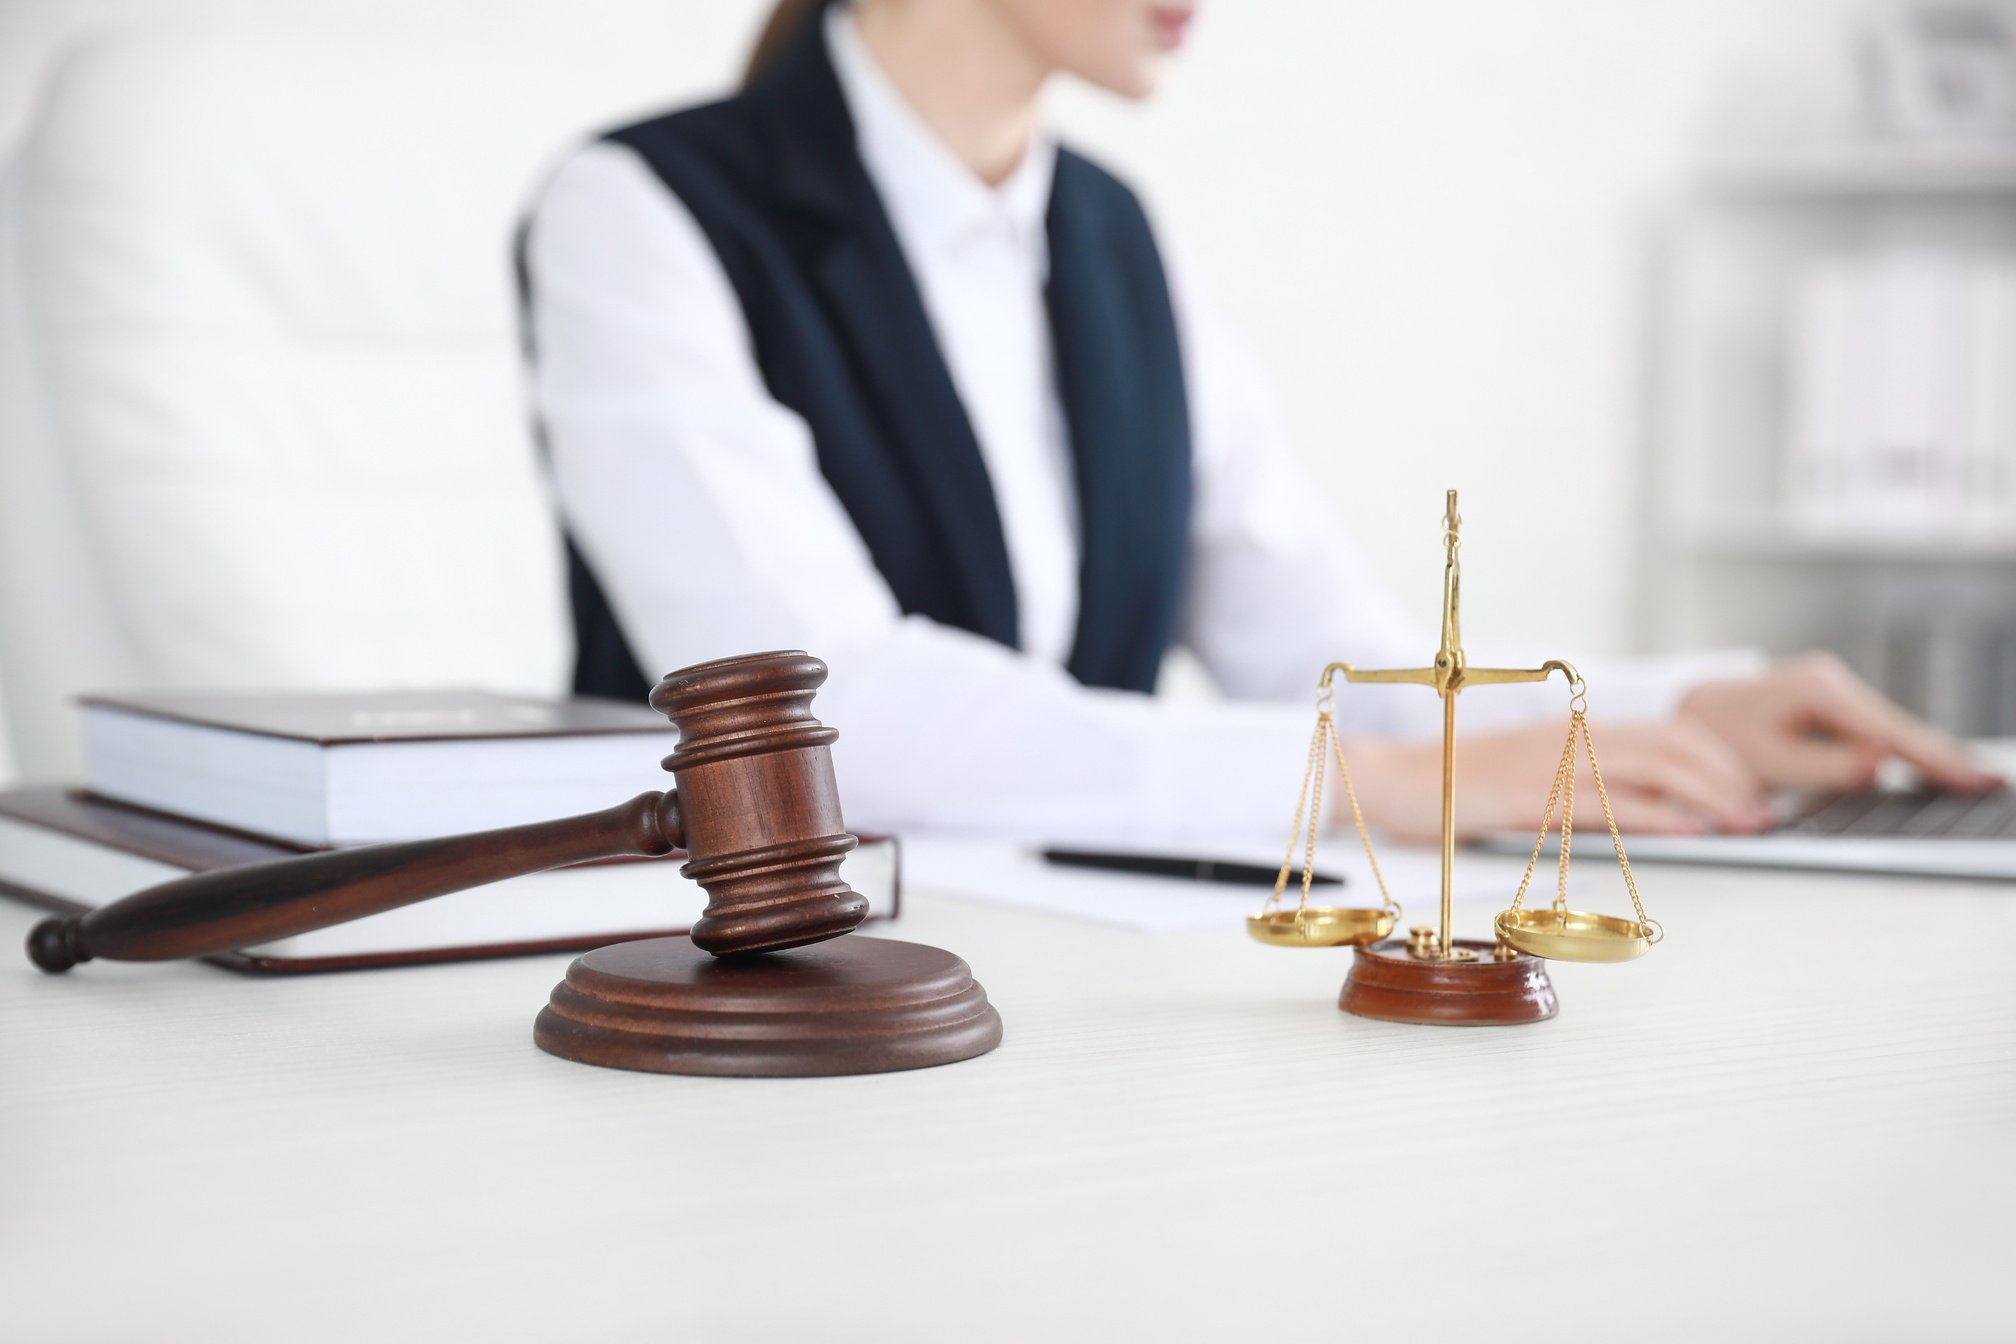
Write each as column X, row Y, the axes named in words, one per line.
column 1912, row 815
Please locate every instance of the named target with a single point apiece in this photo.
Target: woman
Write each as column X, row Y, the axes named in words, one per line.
column 861, row 361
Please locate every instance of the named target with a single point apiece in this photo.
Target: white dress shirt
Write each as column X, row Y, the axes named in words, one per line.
column 981, row 257
column 698, row 502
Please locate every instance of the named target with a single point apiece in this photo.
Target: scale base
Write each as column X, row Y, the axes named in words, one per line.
column 852, row 1005
column 1391, row 984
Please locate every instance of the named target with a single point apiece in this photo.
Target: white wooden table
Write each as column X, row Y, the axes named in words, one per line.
column 1796, row 1119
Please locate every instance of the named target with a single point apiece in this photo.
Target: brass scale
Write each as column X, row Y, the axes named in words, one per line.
column 1557, row 933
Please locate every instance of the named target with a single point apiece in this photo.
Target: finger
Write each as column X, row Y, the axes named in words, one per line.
column 1681, row 785
column 1671, row 762
column 1707, row 774
column 1646, row 814
column 1848, row 706
column 1831, row 765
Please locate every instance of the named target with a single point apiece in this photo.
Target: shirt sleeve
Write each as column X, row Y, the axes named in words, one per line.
column 697, row 499
column 1277, row 591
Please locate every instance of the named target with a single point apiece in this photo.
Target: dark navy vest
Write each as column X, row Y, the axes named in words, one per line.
column 841, row 337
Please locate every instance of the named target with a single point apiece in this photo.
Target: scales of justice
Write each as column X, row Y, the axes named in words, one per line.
column 1431, row 976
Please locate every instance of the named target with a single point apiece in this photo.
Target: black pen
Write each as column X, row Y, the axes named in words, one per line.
column 1197, row 870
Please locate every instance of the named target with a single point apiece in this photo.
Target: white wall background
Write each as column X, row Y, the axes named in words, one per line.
column 1428, row 218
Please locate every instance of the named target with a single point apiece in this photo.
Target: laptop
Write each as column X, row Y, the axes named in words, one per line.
column 1912, row 832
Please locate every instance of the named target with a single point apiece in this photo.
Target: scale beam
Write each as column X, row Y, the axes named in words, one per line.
column 1463, row 680
column 1508, row 676
column 1406, row 676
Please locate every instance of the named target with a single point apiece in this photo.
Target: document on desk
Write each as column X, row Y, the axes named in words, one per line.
column 1017, row 876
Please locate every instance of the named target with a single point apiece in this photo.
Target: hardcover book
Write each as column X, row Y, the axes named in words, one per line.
column 354, row 768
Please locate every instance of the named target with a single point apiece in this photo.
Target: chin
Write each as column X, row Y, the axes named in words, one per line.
column 1135, row 81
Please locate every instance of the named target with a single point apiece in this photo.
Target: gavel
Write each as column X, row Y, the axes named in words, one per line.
column 757, row 810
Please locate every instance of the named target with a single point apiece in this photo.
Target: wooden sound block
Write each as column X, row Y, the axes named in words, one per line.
column 852, row 1005
column 1391, row 984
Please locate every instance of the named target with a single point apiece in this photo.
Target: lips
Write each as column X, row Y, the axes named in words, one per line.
column 1169, row 25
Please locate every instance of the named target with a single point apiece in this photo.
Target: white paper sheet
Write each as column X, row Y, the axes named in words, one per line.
column 1012, row 875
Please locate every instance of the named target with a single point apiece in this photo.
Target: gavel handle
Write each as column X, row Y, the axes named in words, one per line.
column 230, row 908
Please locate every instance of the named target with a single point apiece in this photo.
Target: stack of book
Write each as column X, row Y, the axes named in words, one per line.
column 182, row 783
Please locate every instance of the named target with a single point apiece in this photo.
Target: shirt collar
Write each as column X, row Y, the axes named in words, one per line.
column 933, row 199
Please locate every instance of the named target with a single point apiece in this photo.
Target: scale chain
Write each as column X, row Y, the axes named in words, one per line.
column 1562, row 796
column 1576, row 725
column 1358, row 820
column 1563, row 769
column 1295, row 826
column 1323, row 729
column 1616, row 840
column 1309, row 810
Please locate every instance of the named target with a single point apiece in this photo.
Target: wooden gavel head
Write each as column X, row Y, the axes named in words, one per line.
column 755, row 803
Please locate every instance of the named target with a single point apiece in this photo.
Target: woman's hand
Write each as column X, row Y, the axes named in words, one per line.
column 1810, row 723
column 1674, row 777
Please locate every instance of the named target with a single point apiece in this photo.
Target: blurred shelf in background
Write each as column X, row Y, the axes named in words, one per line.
column 1832, row 417
column 1873, row 169
column 1772, row 539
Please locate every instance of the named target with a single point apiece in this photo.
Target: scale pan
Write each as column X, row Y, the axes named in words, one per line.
column 1321, row 926
column 1575, row 935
